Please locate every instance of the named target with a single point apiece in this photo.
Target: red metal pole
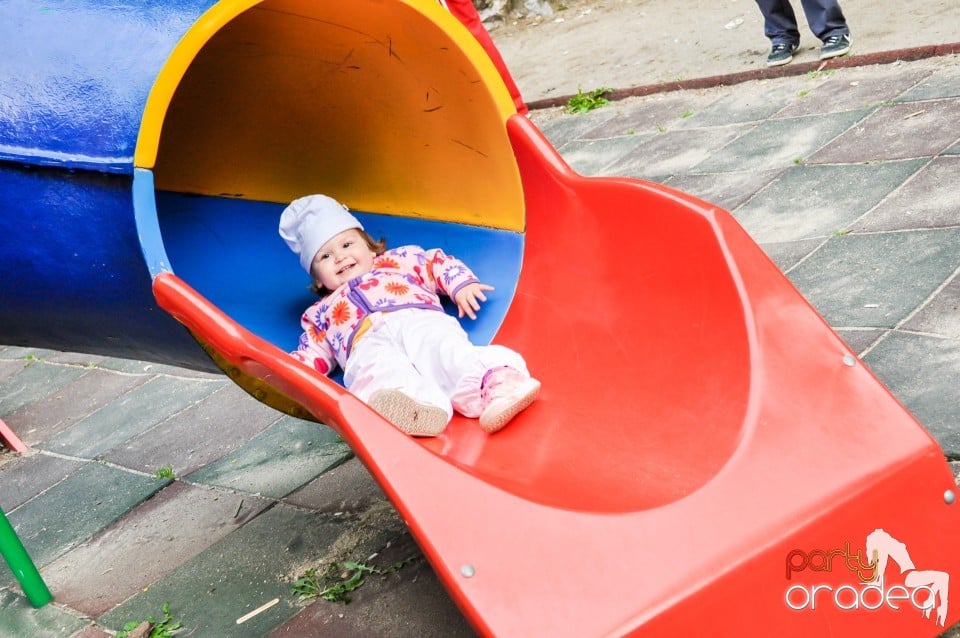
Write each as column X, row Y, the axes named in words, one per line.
column 10, row 439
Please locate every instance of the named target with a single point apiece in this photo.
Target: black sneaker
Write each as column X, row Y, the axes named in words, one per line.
column 835, row 46
column 781, row 53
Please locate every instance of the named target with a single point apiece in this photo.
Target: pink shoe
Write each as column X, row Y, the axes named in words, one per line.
column 505, row 394
column 409, row 415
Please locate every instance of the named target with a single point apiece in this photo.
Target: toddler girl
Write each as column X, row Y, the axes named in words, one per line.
column 380, row 318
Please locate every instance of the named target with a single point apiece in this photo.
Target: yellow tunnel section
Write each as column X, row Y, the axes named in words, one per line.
column 390, row 106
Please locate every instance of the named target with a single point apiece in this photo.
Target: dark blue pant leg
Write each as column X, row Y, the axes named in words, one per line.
column 825, row 18
column 779, row 21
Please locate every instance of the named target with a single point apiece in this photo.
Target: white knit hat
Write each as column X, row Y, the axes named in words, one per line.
column 310, row 222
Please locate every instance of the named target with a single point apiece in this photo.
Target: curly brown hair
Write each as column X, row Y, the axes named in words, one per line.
column 378, row 246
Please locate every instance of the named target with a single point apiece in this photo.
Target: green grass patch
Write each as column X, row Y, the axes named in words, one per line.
column 339, row 579
column 163, row 628
column 583, row 102
column 165, row 472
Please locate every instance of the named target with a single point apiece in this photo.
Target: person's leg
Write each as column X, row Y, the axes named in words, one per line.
column 490, row 382
column 825, row 18
column 780, row 26
column 779, row 22
column 379, row 373
column 827, row 22
column 467, row 14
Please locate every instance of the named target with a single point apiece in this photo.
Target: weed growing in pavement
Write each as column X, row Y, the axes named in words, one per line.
column 583, row 102
column 165, row 472
column 164, row 628
column 813, row 75
column 339, row 580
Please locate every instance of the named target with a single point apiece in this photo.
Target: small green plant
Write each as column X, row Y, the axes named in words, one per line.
column 798, row 160
column 661, row 128
column 813, row 75
column 803, row 93
column 31, row 359
column 583, row 102
column 339, row 580
column 686, row 114
column 632, row 131
column 164, row 628
column 841, row 233
column 165, row 472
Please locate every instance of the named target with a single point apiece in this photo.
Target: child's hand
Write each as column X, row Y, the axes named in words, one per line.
column 469, row 297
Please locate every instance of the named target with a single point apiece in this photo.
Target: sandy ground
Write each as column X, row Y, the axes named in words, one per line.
column 626, row 43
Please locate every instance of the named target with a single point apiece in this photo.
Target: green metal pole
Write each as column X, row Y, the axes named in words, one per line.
column 20, row 564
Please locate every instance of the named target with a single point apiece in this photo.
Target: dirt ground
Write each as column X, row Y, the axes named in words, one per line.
column 626, row 43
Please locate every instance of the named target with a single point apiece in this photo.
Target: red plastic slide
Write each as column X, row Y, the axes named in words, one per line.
column 706, row 452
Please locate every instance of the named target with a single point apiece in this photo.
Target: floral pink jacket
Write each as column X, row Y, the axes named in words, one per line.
column 405, row 277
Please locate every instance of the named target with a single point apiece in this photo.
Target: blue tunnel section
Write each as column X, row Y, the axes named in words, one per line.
column 72, row 274
column 72, row 100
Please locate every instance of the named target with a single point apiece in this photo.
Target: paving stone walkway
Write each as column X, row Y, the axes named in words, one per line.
column 147, row 484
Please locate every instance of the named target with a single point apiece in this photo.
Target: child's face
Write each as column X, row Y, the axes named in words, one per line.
column 341, row 259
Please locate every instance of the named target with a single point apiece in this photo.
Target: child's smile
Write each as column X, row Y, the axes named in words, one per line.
column 341, row 259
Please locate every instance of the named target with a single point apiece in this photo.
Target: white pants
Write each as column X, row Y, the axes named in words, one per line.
column 426, row 355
